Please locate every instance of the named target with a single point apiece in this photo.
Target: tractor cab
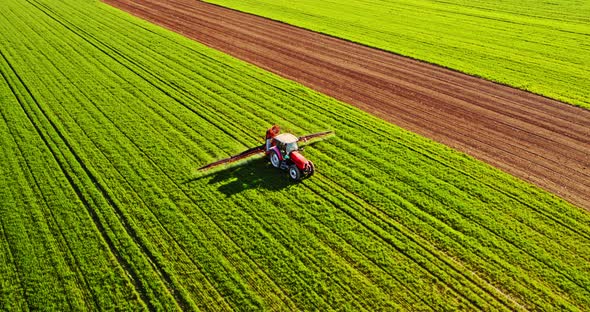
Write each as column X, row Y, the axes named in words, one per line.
column 286, row 143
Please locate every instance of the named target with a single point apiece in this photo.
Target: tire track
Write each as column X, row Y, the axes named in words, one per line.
column 420, row 243
column 389, row 219
column 127, row 267
column 371, row 227
column 17, row 272
column 165, row 92
column 467, row 217
column 54, row 226
column 157, row 86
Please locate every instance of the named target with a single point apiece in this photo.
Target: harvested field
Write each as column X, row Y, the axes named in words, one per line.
column 537, row 139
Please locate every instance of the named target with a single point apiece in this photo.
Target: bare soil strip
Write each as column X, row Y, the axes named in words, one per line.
column 540, row 140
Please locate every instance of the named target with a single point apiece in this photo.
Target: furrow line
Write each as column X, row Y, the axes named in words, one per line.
column 100, row 227
column 4, row 191
column 381, row 164
column 82, row 281
column 446, row 259
column 540, row 260
column 419, row 210
column 131, row 185
column 119, row 129
column 219, row 227
column 399, row 249
column 284, row 239
column 146, row 72
column 137, row 146
column 103, row 113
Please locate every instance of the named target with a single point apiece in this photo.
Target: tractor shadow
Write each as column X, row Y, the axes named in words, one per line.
column 253, row 174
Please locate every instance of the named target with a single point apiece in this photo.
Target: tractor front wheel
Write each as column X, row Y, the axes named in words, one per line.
column 274, row 159
column 310, row 169
column 294, row 173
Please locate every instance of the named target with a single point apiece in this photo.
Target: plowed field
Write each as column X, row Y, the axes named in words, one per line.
column 538, row 139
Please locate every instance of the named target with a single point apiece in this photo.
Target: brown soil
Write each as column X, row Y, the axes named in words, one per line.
column 540, row 140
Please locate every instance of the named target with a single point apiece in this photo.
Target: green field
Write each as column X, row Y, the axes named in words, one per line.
column 103, row 120
column 539, row 46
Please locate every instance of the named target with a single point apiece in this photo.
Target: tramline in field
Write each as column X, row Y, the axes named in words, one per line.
column 282, row 151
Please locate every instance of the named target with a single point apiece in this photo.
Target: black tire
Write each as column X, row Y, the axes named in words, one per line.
column 311, row 169
column 275, row 161
column 294, row 173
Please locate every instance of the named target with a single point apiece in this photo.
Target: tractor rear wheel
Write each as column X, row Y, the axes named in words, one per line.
column 274, row 159
column 294, row 173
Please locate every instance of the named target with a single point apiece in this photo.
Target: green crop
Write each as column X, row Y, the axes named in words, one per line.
column 541, row 47
column 103, row 120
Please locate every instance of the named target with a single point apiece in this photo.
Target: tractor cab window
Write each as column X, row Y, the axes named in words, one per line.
column 291, row 147
column 281, row 147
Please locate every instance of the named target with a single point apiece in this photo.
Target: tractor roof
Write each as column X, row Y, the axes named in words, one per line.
column 286, row 138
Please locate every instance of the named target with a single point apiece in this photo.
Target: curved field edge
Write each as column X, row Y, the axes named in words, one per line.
column 118, row 113
column 533, row 46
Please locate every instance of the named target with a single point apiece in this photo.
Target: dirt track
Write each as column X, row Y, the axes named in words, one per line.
column 537, row 139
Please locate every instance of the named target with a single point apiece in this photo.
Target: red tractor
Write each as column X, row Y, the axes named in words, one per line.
column 282, row 151
column 284, row 154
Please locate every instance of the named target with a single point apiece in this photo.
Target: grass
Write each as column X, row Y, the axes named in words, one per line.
column 541, row 47
column 104, row 119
